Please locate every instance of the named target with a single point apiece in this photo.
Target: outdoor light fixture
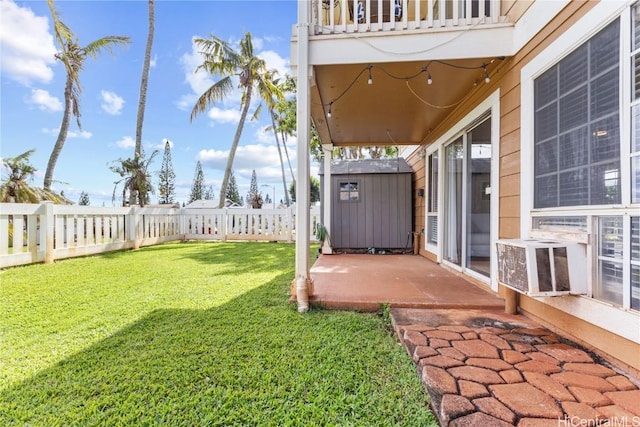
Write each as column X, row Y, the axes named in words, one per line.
column 329, row 112
column 487, row 79
column 370, row 81
column 429, row 79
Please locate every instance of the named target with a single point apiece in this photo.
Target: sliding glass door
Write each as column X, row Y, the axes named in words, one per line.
column 478, row 206
column 452, row 237
column 467, row 200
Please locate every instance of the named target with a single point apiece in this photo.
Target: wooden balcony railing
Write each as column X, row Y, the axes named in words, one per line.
column 354, row 16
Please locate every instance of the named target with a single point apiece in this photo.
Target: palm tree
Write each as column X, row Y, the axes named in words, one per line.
column 15, row 188
column 286, row 117
column 136, row 178
column 220, row 59
column 272, row 102
column 72, row 55
column 145, row 78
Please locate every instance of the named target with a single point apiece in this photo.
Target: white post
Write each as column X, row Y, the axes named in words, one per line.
column 182, row 224
column 289, row 224
column 133, row 227
column 327, row 149
column 48, row 226
column 303, row 213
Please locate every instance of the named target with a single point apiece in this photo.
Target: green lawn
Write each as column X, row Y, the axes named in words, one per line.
column 189, row 335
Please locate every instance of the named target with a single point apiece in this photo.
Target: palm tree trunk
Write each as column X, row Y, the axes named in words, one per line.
column 286, row 152
column 62, row 135
column 284, row 177
column 234, row 145
column 142, row 102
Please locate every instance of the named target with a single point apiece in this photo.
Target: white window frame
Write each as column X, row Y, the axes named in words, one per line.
column 605, row 315
column 428, row 246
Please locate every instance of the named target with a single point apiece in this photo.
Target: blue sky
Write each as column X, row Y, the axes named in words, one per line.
column 32, row 85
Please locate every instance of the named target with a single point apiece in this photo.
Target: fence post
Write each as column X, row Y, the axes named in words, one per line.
column 182, row 224
column 225, row 221
column 48, row 226
column 133, row 227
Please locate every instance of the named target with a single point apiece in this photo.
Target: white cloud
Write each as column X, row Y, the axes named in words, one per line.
column 27, row 46
column 44, row 101
column 263, row 158
column 126, row 142
column 275, row 61
column 265, row 136
column 258, row 43
column 224, row 116
column 160, row 145
column 154, row 61
column 187, row 101
column 112, row 103
column 198, row 82
column 82, row 134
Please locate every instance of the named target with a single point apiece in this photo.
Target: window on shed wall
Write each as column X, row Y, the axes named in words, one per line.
column 349, row 192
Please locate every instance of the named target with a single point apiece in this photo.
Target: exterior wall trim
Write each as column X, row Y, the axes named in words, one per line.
column 539, row 14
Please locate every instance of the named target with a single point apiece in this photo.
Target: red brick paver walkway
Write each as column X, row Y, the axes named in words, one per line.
column 486, row 368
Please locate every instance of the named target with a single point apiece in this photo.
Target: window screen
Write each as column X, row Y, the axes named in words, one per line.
column 635, row 106
column 635, row 262
column 608, row 287
column 576, row 126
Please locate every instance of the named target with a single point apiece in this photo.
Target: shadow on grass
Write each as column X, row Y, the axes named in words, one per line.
column 251, row 361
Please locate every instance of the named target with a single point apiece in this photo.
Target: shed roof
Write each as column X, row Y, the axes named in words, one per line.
column 368, row 166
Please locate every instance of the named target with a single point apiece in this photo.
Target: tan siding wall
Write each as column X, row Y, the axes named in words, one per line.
column 507, row 78
column 417, row 163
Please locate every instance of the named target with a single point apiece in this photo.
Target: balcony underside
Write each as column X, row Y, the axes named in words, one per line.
column 399, row 107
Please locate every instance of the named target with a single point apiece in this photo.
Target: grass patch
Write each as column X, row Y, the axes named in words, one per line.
column 192, row 334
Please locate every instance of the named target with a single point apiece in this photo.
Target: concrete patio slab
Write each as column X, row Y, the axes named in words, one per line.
column 363, row 282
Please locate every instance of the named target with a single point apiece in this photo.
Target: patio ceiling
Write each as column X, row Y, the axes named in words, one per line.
column 394, row 109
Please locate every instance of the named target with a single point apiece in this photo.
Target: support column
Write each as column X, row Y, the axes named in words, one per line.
column 327, row 150
column 303, row 215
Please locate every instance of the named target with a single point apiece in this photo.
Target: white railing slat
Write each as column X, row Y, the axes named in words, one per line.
column 341, row 16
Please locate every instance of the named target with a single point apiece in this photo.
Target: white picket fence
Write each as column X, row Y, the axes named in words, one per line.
column 31, row 233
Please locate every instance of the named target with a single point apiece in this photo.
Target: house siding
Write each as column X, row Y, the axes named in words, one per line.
column 507, row 79
column 418, row 163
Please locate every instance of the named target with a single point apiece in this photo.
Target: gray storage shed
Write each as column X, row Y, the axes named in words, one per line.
column 371, row 204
